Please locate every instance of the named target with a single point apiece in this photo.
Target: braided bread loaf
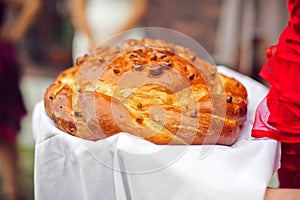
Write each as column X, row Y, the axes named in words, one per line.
column 149, row 88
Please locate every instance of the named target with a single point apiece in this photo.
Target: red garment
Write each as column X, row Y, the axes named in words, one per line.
column 289, row 173
column 278, row 115
column 282, row 70
column 262, row 128
column 12, row 108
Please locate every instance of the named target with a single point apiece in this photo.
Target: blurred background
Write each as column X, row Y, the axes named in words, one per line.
column 236, row 33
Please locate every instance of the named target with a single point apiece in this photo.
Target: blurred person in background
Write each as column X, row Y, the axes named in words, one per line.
column 15, row 18
column 96, row 20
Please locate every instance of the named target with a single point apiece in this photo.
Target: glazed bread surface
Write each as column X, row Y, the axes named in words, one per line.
column 149, row 88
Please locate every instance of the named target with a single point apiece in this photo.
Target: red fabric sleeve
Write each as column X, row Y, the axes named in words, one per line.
column 294, row 10
column 282, row 70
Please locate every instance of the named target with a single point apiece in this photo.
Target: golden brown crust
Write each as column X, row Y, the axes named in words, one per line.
column 151, row 89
